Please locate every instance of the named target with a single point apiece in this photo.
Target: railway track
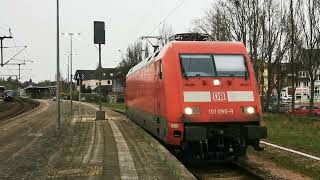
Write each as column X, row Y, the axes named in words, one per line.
column 226, row 170
column 18, row 106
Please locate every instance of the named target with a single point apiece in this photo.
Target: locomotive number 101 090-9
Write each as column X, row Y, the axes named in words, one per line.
column 220, row 111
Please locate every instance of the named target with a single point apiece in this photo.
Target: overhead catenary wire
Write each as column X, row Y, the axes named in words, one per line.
column 4, row 28
column 168, row 15
column 162, row 20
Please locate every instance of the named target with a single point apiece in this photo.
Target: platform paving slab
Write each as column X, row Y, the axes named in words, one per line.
column 31, row 148
column 148, row 152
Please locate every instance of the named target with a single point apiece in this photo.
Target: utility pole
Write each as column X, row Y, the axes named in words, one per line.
column 70, row 54
column 1, row 46
column 58, row 71
column 19, row 70
column 68, row 69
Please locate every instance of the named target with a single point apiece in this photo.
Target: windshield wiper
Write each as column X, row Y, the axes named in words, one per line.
column 245, row 75
column 185, row 75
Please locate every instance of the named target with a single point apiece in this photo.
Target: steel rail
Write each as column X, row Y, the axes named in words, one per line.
column 291, row 150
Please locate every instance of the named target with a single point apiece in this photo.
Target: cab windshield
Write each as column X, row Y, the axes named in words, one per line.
column 211, row 65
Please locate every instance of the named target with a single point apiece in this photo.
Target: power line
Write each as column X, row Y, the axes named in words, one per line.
column 169, row 14
column 163, row 19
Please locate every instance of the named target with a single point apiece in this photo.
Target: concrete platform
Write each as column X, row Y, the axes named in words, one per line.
column 83, row 148
column 115, row 148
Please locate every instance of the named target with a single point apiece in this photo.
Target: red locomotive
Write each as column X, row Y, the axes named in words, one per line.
column 198, row 96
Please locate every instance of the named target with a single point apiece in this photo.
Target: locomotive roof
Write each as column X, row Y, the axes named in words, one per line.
column 184, row 44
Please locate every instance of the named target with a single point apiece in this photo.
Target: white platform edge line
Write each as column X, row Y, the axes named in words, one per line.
column 119, row 139
column 291, row 150
column 126, row 162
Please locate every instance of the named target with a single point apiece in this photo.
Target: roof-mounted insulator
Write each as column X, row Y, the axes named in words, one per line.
column 190, row 37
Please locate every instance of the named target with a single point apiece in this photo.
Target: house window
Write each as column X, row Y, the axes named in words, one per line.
column 109, row 82
column 97, row 84
column 306, row 84
column 303, row 74
column 317, row 91
column 298, row 96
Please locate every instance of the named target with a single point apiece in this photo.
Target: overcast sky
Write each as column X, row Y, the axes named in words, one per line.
column 33, row 23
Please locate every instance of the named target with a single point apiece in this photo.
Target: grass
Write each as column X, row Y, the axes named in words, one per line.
column 299, row 133
column 290, row 161
column 119, row 106
column 295, row 132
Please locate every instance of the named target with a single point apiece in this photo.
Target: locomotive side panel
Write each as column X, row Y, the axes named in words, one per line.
column 146, row 100
column 173, row 89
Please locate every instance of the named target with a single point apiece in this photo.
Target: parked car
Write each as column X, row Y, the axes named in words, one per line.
column 304, row 110
column 283, row 107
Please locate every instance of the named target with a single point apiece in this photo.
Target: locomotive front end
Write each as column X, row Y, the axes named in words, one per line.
column 220, row 107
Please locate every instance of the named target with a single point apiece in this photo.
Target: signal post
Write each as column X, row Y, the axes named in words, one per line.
column 99, row 38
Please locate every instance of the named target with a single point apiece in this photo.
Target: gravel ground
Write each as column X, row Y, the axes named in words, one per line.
column 31, row 148
column 16, row 107
column 267, row 166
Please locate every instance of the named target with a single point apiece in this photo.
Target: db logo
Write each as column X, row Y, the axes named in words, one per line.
column 219, row 96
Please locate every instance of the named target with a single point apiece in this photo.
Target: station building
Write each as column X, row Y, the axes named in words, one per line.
column 40, row 92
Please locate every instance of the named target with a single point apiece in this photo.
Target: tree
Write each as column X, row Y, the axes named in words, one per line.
column 215, row 23
column 166, row 31
column 133, row 56
column 309, row 41
column 146, row 51
column 275, row 43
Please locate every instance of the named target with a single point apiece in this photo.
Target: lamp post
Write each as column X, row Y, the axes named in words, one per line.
column 58, row 72
column 68, row 67
column 70, row 54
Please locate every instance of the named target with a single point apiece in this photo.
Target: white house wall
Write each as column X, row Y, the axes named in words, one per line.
column 95, row 83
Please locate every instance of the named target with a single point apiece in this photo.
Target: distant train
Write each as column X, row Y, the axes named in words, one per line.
column 199, row 97
column 2, row 89
column 9, row 95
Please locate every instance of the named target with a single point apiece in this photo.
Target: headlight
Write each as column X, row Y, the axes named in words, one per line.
column 188, row 110
column 216, row 82
column 192, row 110
column 250, row 110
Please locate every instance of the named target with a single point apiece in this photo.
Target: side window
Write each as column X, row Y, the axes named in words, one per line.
column 160, row 70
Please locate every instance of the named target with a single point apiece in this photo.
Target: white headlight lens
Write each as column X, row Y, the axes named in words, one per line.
column 216, row 82
column 188, row 110
column 250, row 110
